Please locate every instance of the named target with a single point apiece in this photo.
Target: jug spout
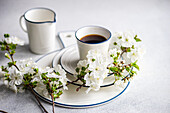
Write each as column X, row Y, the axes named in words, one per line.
column 40, row 15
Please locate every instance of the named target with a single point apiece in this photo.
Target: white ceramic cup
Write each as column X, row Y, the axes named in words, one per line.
column 40, row 24
column 84, row 47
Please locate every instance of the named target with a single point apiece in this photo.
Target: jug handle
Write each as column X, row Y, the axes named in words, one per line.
column 23, row 26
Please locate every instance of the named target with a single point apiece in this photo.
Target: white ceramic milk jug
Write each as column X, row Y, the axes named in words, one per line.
column 41, row 28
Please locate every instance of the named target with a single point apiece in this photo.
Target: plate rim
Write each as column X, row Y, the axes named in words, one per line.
column 83, row 106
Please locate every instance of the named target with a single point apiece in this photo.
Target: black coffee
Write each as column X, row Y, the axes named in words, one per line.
column 93, row 38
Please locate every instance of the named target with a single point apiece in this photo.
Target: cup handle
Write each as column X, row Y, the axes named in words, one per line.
column 23, row 26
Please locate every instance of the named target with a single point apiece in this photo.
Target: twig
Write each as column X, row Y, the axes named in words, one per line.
column 52, row 96
column 80, row 87
column 122, row 52
column 68, row 83
column 3, row 111
column 12, row 58
column 38, row 100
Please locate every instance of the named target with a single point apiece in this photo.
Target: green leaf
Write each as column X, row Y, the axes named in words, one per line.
column 46, row 82
column 111, row 55
column 137, row 39
column 113, row 69
column 57, row 73
column 87, row 66
column 6, row 35
column 127, row 69
column 82, row 73
column 34, row 84
column 60, row 92
column 120, row 37
column 128, row 49
column 55, row 96
column 1, row 42
column 12, row 52
column 114, row 43
column 3, row 47
column 53, row 79
column 77, row 70
column 60, row 83
column 133, row 47
column 133, row 72
column 115, row 58
column 10, row 64
column 36, row 70
column 83, row 68
column 135, row 65
column 123, row 48
column 12, row 46
column 26, row 82
column 93, row 60
column 4, row 69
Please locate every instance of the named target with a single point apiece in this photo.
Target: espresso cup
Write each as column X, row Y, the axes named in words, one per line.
column 40, row 24
column 85, row 46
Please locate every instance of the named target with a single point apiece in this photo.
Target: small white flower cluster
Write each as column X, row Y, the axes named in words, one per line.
column 62, row 78
column 96, row 71
column 126, row 39
column 135, row 54
column 14, row 40
column 114, row 52
column 27, row 66
column 15, row 77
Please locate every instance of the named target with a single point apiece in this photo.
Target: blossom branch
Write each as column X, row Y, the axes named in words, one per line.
column 31, row 89
column 11, row 56
column 52, row 96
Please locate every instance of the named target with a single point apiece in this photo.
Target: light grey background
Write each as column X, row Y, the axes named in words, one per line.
column 148, row 93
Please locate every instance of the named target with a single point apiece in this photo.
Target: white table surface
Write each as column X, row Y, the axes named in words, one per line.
column 148, row 93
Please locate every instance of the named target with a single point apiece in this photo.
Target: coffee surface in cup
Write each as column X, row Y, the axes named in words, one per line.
column 93, row 38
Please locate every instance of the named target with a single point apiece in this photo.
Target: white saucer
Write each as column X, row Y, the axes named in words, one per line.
column 69, row 59
column 73, row 99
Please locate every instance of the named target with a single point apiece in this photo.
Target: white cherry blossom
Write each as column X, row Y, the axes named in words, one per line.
column 27, row 66
column 116, row 40
column 16, row 77
column 62, row 76
column 127, row 39
column 14, row 40
column 82, row 63
column 135, row 54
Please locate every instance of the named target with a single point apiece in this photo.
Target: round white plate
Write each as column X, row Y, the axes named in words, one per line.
column 73, row 99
